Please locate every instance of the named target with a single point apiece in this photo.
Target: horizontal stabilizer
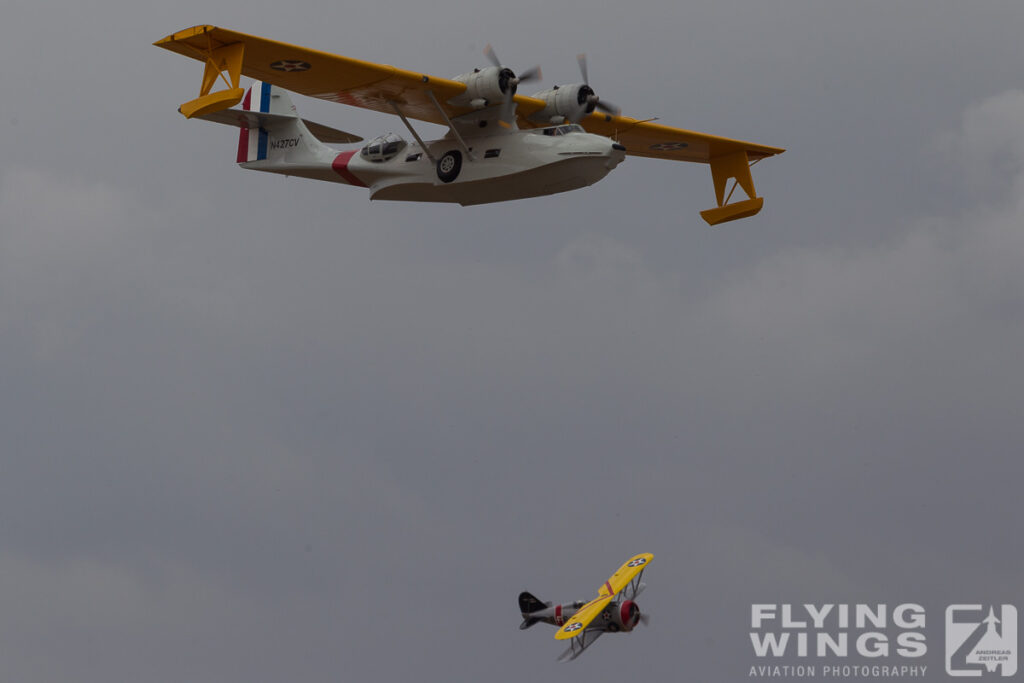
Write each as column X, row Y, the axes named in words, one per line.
column 252, row 119
column 528, row 622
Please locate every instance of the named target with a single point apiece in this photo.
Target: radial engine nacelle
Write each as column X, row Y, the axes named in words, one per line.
column 625, row 615
column 565, row 103
column 485, row 86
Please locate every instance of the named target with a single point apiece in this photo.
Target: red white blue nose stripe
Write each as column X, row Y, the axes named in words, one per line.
column 252, row 143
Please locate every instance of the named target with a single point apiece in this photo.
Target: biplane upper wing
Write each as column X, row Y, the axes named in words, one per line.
column 229, row 55
column 729, row 159
column 581, row 619
column 624, row 574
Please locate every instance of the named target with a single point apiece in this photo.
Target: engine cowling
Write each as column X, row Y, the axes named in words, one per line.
column 565, row 103
column 627, row 616
column 485, row 87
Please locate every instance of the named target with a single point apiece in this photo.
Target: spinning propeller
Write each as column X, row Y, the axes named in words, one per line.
column 586, row 94
column 635, row 613
column 508, row 81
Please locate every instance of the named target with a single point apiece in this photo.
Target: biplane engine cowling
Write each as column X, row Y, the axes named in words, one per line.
column 485, row 87
column 627, row 616
column 565, row 103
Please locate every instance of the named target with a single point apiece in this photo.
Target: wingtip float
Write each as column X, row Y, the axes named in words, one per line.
column 500, row 145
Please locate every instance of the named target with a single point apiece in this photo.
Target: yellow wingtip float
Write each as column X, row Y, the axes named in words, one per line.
column 222, row 62
column 500, row 145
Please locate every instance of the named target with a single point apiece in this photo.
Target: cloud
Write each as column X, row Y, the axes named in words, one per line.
column 989, row 145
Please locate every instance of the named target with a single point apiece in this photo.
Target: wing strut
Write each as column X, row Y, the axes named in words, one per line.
column 580, row 643
column 633, row 589
column 723, row 168
column 394, row 105
column 450, row 126
column 226, row 58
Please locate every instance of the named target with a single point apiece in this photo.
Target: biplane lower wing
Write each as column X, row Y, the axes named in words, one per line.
column 579, row 621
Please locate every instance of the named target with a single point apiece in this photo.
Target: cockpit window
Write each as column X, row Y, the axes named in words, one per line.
column 562, row 130
column 383, row 148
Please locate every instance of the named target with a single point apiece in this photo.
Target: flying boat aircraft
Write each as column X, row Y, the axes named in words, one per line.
column 614, row 610
column 499, row 145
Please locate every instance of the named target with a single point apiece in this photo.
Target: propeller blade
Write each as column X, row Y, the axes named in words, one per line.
column 581, row 59
column 645, row 618
column 608, row 108
column 533, row 74
column 506, row 110
column 489, row 52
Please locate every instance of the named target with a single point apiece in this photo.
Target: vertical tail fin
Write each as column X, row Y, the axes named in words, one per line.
column 528, row 604
column 274, row 139
column 263, row 98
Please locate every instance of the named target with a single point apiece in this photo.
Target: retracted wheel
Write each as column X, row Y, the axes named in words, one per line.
column 449, row 165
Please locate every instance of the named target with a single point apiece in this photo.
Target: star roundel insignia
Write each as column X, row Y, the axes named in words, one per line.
column 573, row 627
column 291, row 65
column 669, row 146
column 637, row 562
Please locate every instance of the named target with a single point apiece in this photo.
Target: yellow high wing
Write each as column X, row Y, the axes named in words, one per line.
column 228, row 55
column 581, row 619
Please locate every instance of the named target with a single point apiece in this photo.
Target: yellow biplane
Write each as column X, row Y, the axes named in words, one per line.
column 499, row 145
column 581, row 623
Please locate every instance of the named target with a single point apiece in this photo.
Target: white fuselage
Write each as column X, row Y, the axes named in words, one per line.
column 506, row 166
column 494, row 166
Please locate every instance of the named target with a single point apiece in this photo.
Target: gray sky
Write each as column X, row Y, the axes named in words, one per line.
column 258, row 429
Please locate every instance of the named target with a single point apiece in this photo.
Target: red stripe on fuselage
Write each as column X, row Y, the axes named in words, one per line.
column 243, row 135
column 340, row 167
column 243, row 146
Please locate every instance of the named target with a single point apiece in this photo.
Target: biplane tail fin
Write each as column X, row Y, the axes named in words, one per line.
column 528, row 605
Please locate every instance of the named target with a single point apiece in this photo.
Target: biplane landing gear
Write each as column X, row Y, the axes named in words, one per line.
column 449, row 165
